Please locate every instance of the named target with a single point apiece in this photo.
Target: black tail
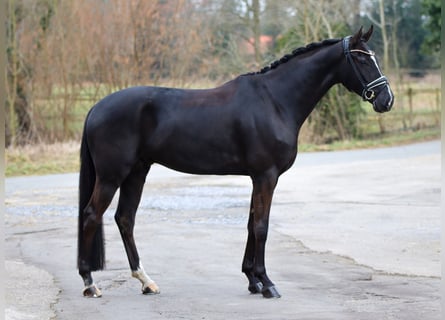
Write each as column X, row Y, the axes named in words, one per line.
column 87, row 180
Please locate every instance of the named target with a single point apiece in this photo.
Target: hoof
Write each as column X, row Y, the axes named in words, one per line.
column 92, row 292
column 270, row 292
column 151, row 288
column 256, row 287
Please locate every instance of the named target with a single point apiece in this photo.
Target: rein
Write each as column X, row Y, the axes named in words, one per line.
column 368, row 93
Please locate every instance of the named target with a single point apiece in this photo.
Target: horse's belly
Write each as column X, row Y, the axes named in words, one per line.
column 198, row 156
column 201, row 164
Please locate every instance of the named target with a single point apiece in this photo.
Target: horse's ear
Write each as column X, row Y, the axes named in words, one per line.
column 368, row 33
column 357, row 37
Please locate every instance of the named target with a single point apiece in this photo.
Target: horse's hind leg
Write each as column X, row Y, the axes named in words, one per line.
column 92, row 245
column 130, row 195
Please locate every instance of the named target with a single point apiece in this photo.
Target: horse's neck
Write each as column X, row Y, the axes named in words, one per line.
column 299, row 86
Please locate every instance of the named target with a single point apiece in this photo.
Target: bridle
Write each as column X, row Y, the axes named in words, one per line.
column 368, row 93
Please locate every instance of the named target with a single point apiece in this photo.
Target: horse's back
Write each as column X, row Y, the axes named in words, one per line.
column 187, row 130
column 161, row 102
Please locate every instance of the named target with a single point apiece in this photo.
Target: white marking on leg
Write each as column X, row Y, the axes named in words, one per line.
column 92, row 291
column 141, row 275
column 148, row 285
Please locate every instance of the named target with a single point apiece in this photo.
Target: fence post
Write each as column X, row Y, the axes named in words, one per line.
column 410, row 103
column 438, row 111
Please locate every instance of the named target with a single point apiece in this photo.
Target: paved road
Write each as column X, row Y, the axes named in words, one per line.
column 354, row 235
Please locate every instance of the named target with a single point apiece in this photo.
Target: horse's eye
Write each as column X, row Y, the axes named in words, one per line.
column 362, row 59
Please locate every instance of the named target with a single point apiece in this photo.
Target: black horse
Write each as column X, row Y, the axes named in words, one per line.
column 248, row 126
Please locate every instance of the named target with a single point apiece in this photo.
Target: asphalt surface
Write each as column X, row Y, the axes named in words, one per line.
column 353, row 235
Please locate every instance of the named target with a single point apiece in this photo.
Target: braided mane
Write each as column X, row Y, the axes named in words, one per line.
column 297, row 52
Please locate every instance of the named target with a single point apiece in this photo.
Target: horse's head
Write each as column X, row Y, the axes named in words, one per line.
column 364, row 76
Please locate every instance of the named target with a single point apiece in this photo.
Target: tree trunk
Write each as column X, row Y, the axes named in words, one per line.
column 12, row 77
column 256, row 31
column 384, row 36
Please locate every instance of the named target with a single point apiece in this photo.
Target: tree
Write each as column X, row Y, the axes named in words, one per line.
column 433, row 17
column 254, row 16
column 402, row 21
column 378, row 18
column 19, row 124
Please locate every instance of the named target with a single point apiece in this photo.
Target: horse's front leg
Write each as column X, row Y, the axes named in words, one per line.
column 263, row 188
column 255, row 285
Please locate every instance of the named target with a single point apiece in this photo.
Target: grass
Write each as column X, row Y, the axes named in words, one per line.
column 64, row 157
column 42, row 159
column 389, row 140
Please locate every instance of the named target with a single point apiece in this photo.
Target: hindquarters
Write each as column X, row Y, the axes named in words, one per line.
column 109, row 153
column 112, row 157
